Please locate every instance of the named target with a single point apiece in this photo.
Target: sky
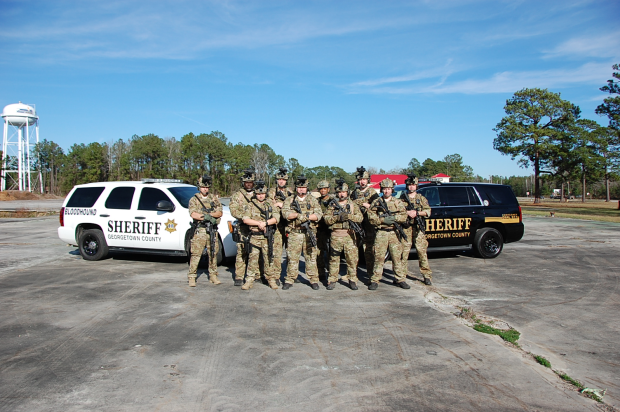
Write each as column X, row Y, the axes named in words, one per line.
column 338, row 83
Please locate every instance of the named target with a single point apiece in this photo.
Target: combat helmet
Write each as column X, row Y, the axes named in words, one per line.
column 323, row 184
column 362, row 173
column 341, row 185
column 282, row 173
column 260, row 187
column 387, row 183
column 301, row 181
column 411, row 179
column 204, row 181
column 248, row 175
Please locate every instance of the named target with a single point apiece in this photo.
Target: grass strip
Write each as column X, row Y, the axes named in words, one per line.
column 510, row 335
column 570, row 380
column 543, row 361
column 573, row 216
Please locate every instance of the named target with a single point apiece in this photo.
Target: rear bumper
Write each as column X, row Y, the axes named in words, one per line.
column 514, row 232
column 66, row 234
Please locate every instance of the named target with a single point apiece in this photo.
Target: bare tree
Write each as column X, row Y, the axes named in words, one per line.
column 260, row 161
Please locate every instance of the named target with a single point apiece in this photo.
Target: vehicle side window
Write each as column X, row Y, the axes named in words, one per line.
column 454, row 196
column 432, row 195
column 120, row 198
column 85, row 197
column 474, row 199
column 499, row 195
column 149, row 198
column 458, row 196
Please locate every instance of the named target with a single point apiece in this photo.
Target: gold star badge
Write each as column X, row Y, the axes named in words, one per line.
column 171, row 226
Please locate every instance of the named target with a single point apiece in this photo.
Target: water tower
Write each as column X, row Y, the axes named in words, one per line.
column 21, row 133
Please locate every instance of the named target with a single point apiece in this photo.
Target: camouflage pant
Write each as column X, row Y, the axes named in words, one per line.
column 260, row 246
column 278, row 247
column 298, row 242
column 240, row 261
column 421, row 244
column 321, row 242
column 384, row 241
column 201, row 240
column 349, row 246
column 368, row 244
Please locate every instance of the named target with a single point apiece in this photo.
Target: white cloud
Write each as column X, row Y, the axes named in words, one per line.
column 507, row 82
column 605, row 45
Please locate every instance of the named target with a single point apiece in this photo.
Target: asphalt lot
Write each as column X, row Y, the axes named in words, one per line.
column 127, row 334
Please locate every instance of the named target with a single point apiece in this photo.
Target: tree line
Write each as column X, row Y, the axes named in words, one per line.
column 543, row 130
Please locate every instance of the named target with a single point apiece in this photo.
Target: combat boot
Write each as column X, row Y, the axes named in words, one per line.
column 427, row 281
column 314, row 286
column 192, row 282
column 213, row 279
column 402, row 284
column 331, row 286
column 272, row 284
column 352, row 285
column 238, row 282
column 287, row 286
column 249, row 282
column 373, row 286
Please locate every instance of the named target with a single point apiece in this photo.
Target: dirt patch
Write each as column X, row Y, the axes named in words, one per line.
column 20, row 195
column 25, row 213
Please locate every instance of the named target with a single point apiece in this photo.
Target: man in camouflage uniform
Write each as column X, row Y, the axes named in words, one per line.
column 420, row 207
column 277, row 196
column 298, row 235
column 387, row 236
column 322, row 233
column 261, row 217
column 363, row 197
column 342, row 236
column 205, row 209
column 238, row 201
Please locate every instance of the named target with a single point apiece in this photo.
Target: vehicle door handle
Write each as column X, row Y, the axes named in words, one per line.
column 104, row 215
column 140, row 217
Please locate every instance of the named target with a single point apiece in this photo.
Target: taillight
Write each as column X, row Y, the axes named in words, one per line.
column 230, row 226
column 520, row 215
column 61, row 218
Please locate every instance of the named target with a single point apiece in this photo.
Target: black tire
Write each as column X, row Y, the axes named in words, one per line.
column 92, row 245
column 488, row 243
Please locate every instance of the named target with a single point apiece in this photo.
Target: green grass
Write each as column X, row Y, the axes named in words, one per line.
column 570, row 380
column 543, row 361
column 510, row 335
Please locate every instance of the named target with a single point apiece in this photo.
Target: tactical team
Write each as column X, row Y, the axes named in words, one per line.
column 272, row 220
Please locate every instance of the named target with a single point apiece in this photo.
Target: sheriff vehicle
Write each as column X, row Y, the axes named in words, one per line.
column 149, row 216
column 482, row 215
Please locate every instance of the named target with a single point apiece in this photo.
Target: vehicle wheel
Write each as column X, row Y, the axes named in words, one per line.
column 488, row 243
column 93, row 245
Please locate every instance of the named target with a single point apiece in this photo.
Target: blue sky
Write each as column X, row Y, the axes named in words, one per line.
column 339, row 83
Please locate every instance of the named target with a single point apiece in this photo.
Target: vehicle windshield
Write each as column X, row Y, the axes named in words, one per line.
column 183, row 193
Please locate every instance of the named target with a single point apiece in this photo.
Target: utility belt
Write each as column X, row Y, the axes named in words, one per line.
column 294, row 230
column 387, row 229
column 205, row 225
column 342, row 232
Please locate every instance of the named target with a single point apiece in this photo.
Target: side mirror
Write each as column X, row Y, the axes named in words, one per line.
column 165, row 205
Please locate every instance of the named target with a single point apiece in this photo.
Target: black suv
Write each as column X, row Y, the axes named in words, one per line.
column 483, row 215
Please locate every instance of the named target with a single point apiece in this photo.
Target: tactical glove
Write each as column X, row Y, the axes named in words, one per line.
column 301, row 218
column 207, row 217
column 344, row 216
column 389, row 220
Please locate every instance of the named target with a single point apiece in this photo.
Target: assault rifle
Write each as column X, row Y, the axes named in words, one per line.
column 281, row 195
column 400, row 233
column 353, row 225
column 210, row 227
column 306, row 225
column 269, row 229
column 418, row 219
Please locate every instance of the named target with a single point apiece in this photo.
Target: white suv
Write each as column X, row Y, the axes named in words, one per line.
column 150, row 216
